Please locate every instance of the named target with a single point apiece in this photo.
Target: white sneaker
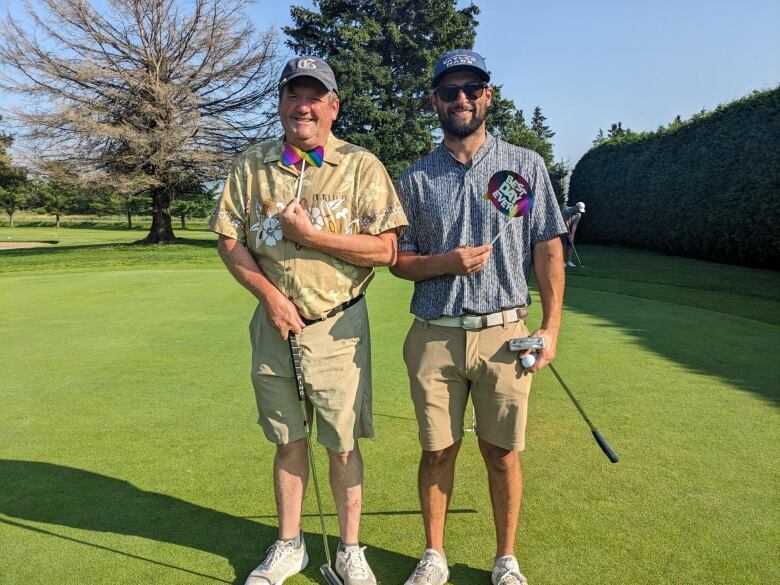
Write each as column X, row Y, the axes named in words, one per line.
column 431, row 570
column 283, row 559
column 352, row 566
column 506, row 571
column 571, row 264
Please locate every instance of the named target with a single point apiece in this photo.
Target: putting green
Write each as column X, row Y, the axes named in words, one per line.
column 130, row 451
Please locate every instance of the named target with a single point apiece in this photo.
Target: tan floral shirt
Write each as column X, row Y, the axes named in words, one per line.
column 351, row 193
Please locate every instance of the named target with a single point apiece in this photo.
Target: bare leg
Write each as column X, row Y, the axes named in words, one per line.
column 291, row 472
column 346, row 483
column 435, row 479
column 505, row 479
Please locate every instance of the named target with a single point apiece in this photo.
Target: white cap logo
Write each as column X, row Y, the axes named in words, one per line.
column 307, row 64
column 459, row 60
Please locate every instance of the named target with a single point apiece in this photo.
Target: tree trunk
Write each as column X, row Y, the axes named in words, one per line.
column 183, row 226
column 57, row 215
column 161, row 231
column 129, row 219
column 11, row 218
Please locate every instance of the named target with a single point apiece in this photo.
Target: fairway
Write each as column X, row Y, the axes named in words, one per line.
column 129, row 451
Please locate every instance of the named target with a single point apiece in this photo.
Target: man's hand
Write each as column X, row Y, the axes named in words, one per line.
column 465, row 260
column 283, row 315
column 546, row 355
column 296, row 225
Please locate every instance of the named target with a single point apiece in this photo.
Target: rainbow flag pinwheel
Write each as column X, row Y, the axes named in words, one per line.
column 292, row 154
column 510, row 194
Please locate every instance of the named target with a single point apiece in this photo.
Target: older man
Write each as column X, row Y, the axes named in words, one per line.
column 303, row 239
column 469, row 299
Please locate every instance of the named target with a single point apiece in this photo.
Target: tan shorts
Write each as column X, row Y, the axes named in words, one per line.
column 445, row 364
column 336, row 363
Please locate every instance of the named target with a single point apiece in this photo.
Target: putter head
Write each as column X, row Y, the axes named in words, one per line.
column 331, row 578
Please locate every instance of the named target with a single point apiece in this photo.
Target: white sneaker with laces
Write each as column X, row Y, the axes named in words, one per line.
column 352, row 566
column 506, row 571
column 283, row 559
column 571, row 264
column 431, row 570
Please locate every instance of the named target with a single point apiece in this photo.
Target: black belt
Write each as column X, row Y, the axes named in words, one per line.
column 334, row 311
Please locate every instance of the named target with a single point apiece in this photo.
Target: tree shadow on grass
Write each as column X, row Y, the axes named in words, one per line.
column 738, row 350
column 193, row 242
column 65, row 496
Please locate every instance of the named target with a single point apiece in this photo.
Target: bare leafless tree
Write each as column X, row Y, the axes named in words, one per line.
column 140, row 94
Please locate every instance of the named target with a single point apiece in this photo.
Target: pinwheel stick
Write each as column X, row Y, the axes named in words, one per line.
column 498, row 235
column 300, row 180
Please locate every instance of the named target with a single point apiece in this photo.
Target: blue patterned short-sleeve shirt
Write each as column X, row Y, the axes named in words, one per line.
column 443, row 201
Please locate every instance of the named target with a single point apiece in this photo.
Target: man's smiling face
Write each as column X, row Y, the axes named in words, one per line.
column 307, row 111
column 462, row 116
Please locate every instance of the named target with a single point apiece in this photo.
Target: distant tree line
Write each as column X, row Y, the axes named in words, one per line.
column 708, row 187
column 140, row 104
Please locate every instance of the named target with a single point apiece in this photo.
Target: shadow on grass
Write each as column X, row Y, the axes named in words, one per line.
column 741, row 353
column 65, row 496
column 28, row 252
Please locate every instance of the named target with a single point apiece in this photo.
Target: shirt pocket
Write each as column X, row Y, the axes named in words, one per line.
column 333, row 213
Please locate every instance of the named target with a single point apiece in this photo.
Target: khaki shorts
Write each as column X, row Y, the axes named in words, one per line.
column 336, row 363
column 445, row 364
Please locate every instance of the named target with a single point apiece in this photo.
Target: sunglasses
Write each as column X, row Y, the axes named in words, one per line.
column 449, row 93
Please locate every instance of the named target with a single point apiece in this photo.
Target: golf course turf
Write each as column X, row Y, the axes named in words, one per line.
column 129, row 451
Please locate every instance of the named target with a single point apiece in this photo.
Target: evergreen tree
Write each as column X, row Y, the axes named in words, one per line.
column 13, row 192
column 599, row 138
column 506, row 122
column 538, row 126
column 383, row 52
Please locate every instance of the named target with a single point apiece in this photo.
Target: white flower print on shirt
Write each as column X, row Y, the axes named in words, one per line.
column 272, row 231
column 316, row 217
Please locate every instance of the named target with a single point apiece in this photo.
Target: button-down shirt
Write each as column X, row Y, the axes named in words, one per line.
column 443, row 200
column 351, row 193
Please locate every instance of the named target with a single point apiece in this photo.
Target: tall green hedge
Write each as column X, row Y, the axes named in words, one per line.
column 707, row 188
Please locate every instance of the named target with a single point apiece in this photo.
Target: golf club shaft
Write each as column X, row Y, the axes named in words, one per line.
column 571, row 243
column 613, row 457
column 295, row 353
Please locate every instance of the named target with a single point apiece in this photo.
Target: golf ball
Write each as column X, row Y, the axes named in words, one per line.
column 528, row 360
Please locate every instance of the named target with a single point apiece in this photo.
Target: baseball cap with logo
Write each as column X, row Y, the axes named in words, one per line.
column 580, row 207
column 460, row 60
column 308, row 66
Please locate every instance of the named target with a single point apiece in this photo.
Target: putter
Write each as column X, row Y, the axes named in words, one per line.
column 295, row 353
column 571, row 243
column 596, row 434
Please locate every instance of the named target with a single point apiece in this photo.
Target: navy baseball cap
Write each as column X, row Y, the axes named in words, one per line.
column 308, row 66
column 460, row 60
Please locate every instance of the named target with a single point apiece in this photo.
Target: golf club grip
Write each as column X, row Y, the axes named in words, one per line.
column 604, row 447
column 295, row 354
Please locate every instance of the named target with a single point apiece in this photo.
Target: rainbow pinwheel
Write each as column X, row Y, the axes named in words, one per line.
column 510, row 194
column 292, row 154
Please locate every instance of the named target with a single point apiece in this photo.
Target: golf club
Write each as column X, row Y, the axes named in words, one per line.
column 596, row 434
column 571, row 243
column 295, row 353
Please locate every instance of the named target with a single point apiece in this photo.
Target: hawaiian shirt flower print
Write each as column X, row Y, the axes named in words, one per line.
column 351, row 193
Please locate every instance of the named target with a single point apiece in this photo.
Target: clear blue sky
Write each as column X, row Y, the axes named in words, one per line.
column 588, row 64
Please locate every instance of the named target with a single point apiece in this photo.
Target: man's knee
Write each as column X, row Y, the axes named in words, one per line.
column 498, row 459
column 291, row 451
column 440, row 458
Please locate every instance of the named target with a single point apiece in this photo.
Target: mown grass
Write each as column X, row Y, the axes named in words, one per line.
column 130, row 451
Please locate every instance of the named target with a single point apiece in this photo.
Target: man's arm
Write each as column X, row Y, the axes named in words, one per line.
column 357, row 249
column 282, row 313
column 460, row 261
column 550, row 278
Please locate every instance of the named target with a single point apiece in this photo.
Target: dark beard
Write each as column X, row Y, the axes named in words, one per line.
column 461, row 131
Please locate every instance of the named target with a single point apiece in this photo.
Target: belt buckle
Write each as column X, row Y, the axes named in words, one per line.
column 471, row 321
